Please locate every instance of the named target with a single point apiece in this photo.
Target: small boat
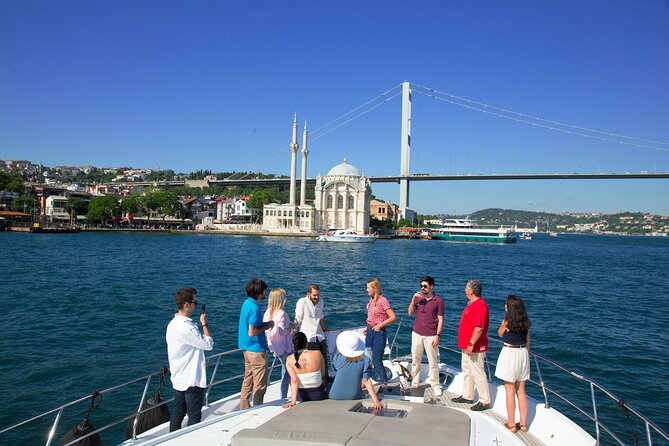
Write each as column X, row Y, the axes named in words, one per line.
column 525, row 236
column 417, row 416
column 346, row 236
column 553, row 233
column 426, row 234
column 466, row 230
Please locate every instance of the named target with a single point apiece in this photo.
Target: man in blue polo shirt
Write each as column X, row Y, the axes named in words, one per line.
column 252, row 340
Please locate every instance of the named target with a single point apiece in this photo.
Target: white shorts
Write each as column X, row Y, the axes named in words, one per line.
column 513, row 364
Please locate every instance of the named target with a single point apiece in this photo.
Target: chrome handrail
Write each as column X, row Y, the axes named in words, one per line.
column 594, row 417
column 136, row 413
column 392, row 344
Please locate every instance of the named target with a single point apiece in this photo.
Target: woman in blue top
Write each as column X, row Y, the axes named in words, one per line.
column 353, row 370
column 513, row 364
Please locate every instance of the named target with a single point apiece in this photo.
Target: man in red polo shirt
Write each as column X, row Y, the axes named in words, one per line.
column 473, row 340
column 429, row 310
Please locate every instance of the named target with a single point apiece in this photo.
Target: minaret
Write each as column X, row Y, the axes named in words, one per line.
column 305, row 153
column 293, row 166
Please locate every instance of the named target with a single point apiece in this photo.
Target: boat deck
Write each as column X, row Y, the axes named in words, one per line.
column 445, row 400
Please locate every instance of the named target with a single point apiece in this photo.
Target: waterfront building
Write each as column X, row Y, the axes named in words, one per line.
column 55, row 208
column 290, row 216
column 342, row 198
column 383, row 210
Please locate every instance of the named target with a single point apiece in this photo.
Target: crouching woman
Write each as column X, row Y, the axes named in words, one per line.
column 307, row 372
column 353, row 368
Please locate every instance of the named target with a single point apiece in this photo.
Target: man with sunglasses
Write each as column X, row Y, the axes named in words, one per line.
column 185, row 350
column 429, row 311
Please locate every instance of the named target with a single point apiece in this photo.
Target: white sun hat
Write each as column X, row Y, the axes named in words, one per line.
column 350, row 344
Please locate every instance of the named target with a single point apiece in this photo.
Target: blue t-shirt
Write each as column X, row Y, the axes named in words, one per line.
column 251, row 315
column 346, row 385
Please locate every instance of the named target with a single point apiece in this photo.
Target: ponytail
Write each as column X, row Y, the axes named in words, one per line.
column 299, row 344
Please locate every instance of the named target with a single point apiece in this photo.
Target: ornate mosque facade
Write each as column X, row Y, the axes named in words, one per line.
column 342, row 198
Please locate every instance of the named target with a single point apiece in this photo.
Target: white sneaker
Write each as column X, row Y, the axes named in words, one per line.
column 437, row 391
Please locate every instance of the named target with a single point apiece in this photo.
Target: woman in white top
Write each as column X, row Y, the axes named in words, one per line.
column 307, row 372
column 278, row 337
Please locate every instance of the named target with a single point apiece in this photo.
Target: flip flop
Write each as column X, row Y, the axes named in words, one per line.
column 513, row 428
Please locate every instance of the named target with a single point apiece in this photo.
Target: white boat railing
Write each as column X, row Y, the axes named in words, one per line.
column 141, row 408
column 651, row 430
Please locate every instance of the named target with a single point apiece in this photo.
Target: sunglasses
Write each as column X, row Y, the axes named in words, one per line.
column 425, row 286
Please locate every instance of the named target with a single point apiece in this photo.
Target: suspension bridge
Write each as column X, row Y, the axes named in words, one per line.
column 405, row 177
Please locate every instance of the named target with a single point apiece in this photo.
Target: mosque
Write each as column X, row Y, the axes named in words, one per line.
column 342, row 198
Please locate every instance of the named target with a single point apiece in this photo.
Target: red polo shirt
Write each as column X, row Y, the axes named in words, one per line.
column 474, row 315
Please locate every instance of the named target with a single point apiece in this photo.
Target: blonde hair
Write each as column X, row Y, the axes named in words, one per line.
column 277, row 299
column 376, row 285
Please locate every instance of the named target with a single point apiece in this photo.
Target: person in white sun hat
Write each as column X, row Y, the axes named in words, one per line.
column 353, row 368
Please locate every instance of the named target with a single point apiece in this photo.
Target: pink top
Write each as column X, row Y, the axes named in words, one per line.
column 376, row 313
column 279, row 339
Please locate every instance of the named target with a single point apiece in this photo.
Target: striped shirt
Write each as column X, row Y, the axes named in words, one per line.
column 376, row 311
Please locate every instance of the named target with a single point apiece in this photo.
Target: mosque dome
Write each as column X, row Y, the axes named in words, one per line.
column 344, row 169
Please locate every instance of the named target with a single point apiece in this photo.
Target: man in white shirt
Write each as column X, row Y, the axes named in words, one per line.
column 310, row 318
column 185, row 349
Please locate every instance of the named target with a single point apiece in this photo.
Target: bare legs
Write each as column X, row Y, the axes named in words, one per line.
column 512, row 391
column 522, row 404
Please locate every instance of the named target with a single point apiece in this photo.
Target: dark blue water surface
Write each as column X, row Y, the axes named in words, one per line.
column 89, row 310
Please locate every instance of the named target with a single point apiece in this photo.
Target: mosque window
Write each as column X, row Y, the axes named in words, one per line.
column 290, row 213
column 351, row 202
column 340, row 202
column 307, row 214
column 284, row 214
column 329, row 204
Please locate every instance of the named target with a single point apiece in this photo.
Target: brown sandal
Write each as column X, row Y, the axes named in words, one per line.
column 522, row 427
column 512, row 428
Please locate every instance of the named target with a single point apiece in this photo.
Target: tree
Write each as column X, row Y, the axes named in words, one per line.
column 77, row 205
column 24, row 203
column 260, row 198
column 102, row 208
column 403, row 223
column 131, row 204
column 11, row 182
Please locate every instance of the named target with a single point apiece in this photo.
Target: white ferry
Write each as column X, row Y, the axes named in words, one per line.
column 466, row 230
column 409, row 417
column 347, row 236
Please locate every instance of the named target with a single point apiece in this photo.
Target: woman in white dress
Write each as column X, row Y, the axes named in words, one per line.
column 513, row 365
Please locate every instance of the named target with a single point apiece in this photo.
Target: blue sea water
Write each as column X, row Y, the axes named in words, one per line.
column 89, row 310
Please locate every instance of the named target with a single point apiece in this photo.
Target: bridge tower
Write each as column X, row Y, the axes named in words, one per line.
column 405, row 147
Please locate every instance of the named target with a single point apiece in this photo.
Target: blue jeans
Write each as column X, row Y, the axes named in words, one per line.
column 187, row 402
column 376, row 340
column 285, row 376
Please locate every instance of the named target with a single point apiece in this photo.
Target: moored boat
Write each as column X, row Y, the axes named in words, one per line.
column 525, row 236
column 346, row 235
column 466, row 230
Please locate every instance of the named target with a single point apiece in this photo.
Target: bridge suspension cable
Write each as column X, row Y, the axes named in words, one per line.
column 283, row 152
column 540, row 122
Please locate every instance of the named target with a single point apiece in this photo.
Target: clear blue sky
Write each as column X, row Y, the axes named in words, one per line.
column 214, row 85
